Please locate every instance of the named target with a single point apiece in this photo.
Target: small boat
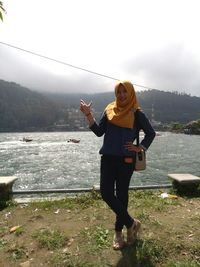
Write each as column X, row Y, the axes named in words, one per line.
column 158, row 134
column 25, row 139
column 72, row 140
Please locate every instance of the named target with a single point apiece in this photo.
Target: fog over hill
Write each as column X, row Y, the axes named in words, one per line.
column 22, row 108
column 166, row 107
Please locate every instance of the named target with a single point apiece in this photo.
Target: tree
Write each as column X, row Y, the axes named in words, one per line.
column 1, row 10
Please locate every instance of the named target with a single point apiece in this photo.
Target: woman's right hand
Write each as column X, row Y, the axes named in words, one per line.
column 85, row 108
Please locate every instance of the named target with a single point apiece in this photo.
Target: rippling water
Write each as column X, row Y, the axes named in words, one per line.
column 49, row 161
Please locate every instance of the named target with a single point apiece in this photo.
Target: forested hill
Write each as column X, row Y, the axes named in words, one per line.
column 167, row 107
column 22, row 109
column 170, row 106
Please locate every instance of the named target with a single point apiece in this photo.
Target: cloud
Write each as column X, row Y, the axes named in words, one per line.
column 171, row 69
column 36, row 74
column 161, row 45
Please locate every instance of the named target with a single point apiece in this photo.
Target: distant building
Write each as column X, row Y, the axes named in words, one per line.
column 154, row 123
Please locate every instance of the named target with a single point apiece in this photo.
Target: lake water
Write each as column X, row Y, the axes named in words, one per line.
column 49, row 161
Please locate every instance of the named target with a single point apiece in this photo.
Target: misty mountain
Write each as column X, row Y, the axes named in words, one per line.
column 162, row 106
column 22, row 109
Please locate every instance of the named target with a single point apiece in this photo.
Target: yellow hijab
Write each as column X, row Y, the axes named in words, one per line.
column 123, row 116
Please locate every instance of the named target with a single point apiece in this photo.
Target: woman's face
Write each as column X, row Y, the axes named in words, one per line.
column 122, row 95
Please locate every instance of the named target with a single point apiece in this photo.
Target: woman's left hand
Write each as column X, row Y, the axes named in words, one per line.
column 131, row 147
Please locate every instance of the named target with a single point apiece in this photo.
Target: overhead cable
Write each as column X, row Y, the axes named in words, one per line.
column 70, row 65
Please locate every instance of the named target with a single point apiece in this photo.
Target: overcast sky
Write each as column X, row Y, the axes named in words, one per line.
column 152, row 43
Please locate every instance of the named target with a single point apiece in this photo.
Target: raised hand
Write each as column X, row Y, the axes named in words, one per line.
column 85, row 108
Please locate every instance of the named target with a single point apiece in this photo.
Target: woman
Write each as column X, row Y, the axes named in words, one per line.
column 120, row 123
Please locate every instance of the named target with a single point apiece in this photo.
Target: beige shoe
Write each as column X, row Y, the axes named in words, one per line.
column 118, row 241
column 132, row 232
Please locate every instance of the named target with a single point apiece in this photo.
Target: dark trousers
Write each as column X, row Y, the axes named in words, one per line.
column 114, row 184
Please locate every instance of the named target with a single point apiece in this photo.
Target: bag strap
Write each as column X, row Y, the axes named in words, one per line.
column 138, row 138
column 138, row 131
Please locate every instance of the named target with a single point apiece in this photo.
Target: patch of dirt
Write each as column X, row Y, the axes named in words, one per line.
column 176, row 228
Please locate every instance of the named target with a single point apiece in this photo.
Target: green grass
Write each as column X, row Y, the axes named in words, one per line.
column 182, row 264
column 149, row 252
column 170, row 234
column 82, row 201
column 50, row 239
column 63, row 260
column 97, row 237
column 19, row 231
column 3, row 243
column 17, row 253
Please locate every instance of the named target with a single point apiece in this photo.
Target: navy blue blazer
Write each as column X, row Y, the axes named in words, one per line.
column 116, row 137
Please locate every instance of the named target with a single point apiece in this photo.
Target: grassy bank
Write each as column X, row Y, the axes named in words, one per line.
column 77, row 232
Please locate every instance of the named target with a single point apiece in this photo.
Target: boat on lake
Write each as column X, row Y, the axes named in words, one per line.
column 72, row 140
column 25, row 139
